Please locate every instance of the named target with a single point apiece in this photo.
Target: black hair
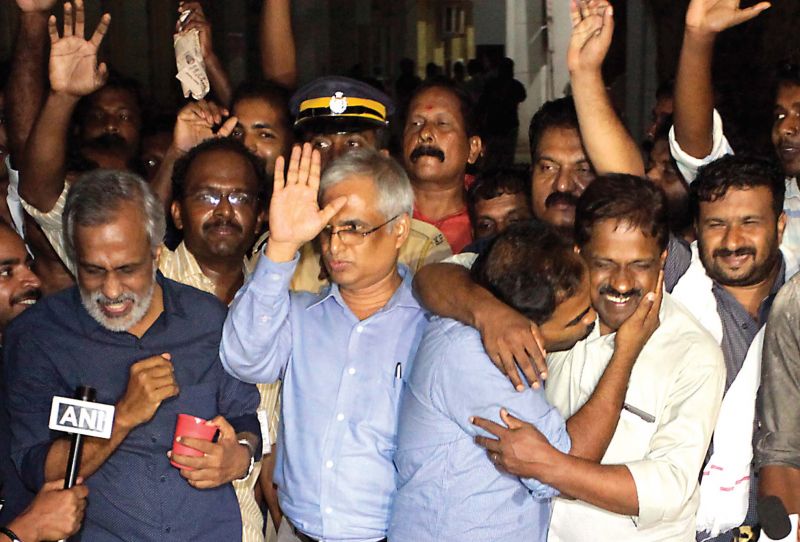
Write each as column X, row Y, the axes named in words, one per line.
column 494, row 183
column 531, row 268
column 740, row 172
column 465, row 101
column 273, row 93
column 789, row 73
column 558, row 113
column 624, row 198
column 181, row 168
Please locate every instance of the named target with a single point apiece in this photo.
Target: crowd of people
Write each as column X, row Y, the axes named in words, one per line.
column 399, row 333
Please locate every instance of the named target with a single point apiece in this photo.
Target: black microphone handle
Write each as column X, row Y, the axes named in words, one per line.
column 84, row 393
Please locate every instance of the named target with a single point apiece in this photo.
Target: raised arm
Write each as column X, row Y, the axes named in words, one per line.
column 220, row 83
column 257, row 336
column 610, row 147
column 195, row 124
column 510, row 339
column 26, row 84
column 73, row 73
column 694, row 92
column 278, row 51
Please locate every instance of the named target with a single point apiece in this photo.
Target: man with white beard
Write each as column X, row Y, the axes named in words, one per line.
column 147, row 344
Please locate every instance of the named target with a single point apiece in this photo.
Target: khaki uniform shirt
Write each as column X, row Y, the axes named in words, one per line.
column 425, row 244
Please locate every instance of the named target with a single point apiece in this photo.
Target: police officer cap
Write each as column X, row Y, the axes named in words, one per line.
column 339, row 104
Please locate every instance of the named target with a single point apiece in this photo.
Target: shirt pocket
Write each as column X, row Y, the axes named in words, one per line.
column 631, row 441
column 382, row 407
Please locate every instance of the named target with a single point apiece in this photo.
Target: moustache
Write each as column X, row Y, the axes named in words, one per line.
column 608, row 290
column 34, row 294
column 108, row 141
column 222, row 224
column 726, row 253
column 426, row 150
column 566, row 198
column 102, row 299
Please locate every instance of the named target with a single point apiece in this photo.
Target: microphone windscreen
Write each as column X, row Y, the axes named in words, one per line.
column 773, row 517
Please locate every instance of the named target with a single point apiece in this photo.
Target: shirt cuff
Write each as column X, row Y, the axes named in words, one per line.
column 248, row 423
column 688, row 164
column 650, row 491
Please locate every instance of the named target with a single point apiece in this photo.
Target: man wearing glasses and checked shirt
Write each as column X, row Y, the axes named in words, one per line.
column 343, row 353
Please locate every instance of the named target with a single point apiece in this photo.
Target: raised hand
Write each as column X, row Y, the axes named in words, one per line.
column 197, row 20
column 714, row 16
column 73, row 60
column 294, row 214
column 35, row 5
column 592, row 30
column 512, row 341
column 196, row 123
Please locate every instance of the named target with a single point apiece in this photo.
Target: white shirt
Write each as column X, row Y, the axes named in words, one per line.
column 677, row 383
column 688, row 166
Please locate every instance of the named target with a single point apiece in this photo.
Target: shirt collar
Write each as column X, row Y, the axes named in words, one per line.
column 187, row 261
column 402, row 297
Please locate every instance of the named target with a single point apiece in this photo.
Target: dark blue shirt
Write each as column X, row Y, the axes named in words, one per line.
column 55, row 346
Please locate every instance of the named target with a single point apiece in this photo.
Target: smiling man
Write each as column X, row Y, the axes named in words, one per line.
column 449, row 489
column 149, row 346
column 645, row 487
column 341, row 393
column 19, row 285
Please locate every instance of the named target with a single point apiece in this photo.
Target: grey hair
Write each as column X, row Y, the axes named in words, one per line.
column 395, row 195
column 95, row 198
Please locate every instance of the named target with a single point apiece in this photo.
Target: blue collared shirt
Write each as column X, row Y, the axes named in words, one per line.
column 136, row 494
column 448, row 488
column 340, row 398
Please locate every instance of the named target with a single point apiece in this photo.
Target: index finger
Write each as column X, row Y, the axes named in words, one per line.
column 489, row 426
column 198, row 444
column 149, row 363
column 100, row 31
column 659, row 294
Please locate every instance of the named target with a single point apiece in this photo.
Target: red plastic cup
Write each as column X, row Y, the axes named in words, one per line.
column 190, row 426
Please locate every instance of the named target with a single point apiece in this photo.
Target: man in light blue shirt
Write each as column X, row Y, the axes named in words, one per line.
column 448, row 487
column 343, row 353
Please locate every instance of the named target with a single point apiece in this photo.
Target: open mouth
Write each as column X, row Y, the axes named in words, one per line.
column 116, row 309
column 619, row 299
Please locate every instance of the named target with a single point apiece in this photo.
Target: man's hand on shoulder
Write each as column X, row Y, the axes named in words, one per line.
column 512, row 341
column 519, row 449
column 150, row 381
column 222, row 461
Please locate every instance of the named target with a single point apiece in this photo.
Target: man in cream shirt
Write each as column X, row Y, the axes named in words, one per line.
column 646, row 486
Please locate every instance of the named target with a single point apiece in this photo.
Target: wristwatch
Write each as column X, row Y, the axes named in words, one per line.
column 245, row 442
column 10, row 534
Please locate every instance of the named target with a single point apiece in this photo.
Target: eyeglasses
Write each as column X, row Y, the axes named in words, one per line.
column 348, row 235
column 213, row 199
